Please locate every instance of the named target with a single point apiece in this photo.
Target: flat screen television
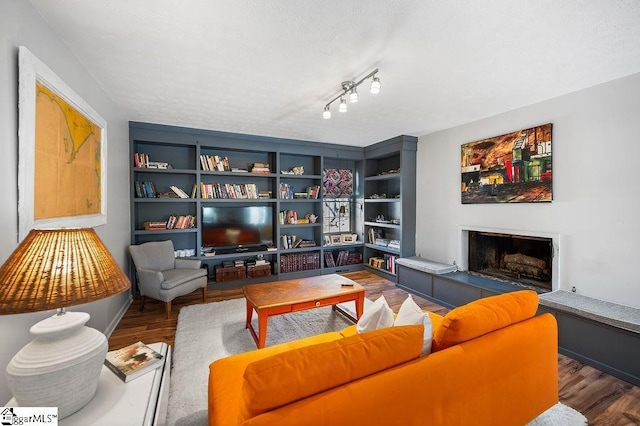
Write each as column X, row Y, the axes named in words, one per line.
column 236, row 226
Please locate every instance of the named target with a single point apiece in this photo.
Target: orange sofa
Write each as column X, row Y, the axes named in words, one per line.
column 493, row 362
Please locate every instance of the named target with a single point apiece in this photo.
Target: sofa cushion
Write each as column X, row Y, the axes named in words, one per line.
column 484, row 316
column 411, row 314
column 378, row 315
column 286, row 377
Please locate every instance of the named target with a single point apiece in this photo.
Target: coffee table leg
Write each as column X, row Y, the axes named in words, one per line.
column 262, row 329
column 359, row 305
column 249, row 314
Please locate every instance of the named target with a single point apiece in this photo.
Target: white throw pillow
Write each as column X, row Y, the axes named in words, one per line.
column 411, row 314
column 378, row 315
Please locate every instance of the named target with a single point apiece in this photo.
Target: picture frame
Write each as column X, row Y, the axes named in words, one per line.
column 62, row 176
column 336, row 239
column 514, row 167
column 348, row 238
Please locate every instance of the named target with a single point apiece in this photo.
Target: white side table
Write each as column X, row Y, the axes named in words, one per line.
column 142, row 401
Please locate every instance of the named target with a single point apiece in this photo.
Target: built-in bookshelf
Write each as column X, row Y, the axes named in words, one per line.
column 177, row 172
column 389, row 204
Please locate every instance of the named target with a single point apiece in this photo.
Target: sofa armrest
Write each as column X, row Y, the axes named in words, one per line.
column 187, row 263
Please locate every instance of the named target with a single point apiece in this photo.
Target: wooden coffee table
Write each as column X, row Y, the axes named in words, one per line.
column 283, row 297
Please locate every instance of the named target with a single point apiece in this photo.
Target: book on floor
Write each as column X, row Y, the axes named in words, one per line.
column 133, row 361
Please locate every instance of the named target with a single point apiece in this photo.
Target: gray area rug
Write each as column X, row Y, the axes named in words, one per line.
column 216, row 330
column 212, row 331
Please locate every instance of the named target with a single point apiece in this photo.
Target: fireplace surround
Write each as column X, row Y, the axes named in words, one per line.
column 524, row 258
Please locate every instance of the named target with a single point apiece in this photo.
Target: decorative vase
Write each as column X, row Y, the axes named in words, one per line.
column 61, row 366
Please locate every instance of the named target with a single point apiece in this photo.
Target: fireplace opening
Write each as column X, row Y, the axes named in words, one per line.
column 521, row 259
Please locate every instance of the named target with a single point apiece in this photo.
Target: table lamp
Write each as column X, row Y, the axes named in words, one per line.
column 55, row 269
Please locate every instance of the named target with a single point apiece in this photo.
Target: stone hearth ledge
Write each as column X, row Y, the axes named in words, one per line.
column 613, row 314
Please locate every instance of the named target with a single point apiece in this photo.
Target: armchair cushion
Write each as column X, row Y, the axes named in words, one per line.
column 176, row 277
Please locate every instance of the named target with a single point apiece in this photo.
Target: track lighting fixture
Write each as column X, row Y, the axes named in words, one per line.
column 349, row 91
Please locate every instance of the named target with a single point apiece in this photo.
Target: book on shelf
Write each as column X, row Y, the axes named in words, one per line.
column 140, row 159
column 133, row 361
column 375, row 234
column 328, row 260
column 179, row 192
column 154, row 225
column 260, row 168
column 158, row 165
column 214, row 163
column 313, row 192
column 145, row 189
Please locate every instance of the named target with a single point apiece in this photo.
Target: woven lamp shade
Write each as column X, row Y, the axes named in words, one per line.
column 58, row 268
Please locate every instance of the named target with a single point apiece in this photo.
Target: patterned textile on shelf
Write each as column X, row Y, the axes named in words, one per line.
column 338, row 183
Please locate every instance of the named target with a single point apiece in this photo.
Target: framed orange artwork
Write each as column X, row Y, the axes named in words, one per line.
column 62, row 153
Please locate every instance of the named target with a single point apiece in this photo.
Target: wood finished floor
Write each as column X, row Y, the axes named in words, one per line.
column 603, row 399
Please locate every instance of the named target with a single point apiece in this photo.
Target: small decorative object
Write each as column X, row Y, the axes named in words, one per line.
column 58, row 268
column 298, row 170
column 312, row 217
column 511, row 168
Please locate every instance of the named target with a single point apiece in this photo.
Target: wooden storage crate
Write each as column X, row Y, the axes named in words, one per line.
column 230, row 273
column 255, row 271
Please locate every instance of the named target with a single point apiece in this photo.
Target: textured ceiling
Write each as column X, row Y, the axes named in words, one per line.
column 269, row 67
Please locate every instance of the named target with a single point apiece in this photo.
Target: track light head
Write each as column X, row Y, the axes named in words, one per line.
column 326, row 114
column 343, row 105
column 375, row 85
column 353, row 95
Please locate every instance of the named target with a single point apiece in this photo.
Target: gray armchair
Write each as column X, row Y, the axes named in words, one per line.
column 164, row 277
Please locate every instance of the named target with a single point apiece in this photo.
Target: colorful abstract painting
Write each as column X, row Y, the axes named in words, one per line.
column 511, row 168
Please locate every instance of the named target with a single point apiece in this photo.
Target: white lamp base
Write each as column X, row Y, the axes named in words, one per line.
column 61, row 366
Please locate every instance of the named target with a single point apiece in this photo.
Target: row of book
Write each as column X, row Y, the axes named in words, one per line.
column 299, row 262
column 173, row 222
column 232, row 190
column 287, row 192
column 148, row 190
column 263, row 168
column 386, row 262
column 141, row 160
column 214, row 163
column 290, row 217
column 293, row 241
column 145, row 190
column 344, row 258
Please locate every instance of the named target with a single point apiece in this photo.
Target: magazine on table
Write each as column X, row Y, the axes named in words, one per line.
column 133, row 361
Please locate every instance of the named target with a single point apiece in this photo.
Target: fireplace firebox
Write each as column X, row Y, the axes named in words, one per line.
column 521, row 259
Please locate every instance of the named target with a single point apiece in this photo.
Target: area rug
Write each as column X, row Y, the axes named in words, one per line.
column 212, row 331
column 216, row 330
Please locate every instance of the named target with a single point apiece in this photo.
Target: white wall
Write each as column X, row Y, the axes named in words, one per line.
column 596, row 191
column 20, row 24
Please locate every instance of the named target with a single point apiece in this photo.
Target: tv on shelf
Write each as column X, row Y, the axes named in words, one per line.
column 236, row 227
